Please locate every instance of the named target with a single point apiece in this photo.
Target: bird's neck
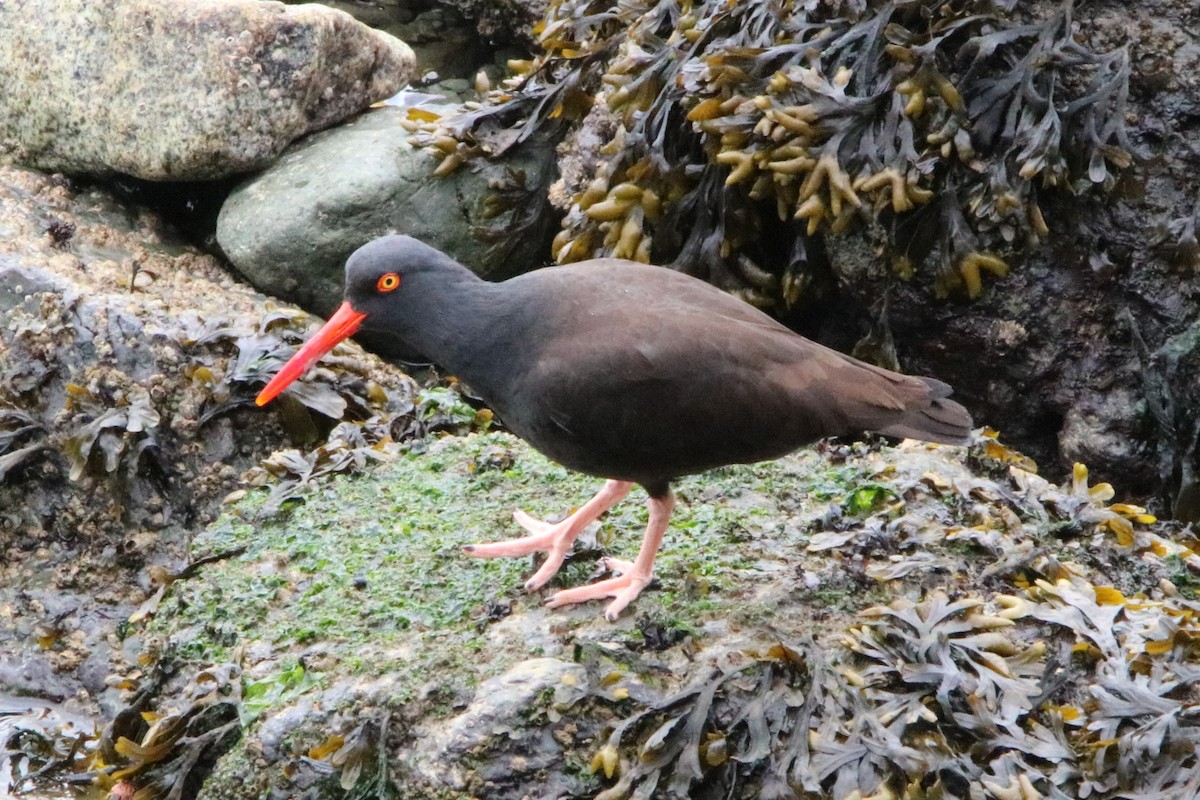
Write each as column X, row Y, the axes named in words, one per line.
column 452, row 317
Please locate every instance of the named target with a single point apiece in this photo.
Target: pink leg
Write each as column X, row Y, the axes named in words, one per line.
column 635, row 575
column 552, row 539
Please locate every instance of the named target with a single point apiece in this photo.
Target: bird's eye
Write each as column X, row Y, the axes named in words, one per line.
column 388, row 283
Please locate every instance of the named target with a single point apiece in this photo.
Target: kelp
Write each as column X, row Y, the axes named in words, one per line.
column 942, row 122
column 946, row 697
column 143, row 753
column 1053, row 684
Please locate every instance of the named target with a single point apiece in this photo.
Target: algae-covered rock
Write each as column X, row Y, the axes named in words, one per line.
column 128, row 363
column 852, row 618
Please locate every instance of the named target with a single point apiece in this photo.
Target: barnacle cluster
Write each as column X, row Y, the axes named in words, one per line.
column 943, row 121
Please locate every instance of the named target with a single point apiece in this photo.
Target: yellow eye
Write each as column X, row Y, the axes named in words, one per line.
column 388, row 283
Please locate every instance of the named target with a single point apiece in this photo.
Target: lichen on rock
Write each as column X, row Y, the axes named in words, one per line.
column 181, row 90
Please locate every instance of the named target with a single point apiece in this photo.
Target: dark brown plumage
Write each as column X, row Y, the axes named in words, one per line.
column 634, row 373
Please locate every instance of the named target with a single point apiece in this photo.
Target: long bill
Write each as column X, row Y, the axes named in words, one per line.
column 341, row 325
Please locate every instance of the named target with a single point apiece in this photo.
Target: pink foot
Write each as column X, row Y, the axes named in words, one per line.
column 634, row 575
column 624, row 588
column 553, row 539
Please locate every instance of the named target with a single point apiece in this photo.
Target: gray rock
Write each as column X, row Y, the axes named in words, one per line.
column 30, row 672
column 502, row 21
column 500, row 709
column 445, row 44
column 290, row 229
column 105, row 316
column 377, row 15
column 276, row 728
column 181, row 89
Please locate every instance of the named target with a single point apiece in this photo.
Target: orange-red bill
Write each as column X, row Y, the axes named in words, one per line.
column 341, row 325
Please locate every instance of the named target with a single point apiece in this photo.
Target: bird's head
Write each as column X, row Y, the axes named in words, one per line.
column 376, row 274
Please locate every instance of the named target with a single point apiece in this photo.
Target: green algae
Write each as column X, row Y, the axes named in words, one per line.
column 374, row 560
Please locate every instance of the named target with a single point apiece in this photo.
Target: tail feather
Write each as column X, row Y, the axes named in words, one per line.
column 932, row 417
column 844, row 395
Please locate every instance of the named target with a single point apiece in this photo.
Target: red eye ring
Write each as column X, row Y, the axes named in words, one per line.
column 388, row 282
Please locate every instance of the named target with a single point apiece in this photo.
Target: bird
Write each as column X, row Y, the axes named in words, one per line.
column 634, row 373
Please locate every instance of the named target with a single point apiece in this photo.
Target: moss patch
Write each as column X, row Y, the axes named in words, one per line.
column 372, row 564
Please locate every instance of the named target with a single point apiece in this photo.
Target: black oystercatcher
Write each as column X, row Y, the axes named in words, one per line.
column 633, row 373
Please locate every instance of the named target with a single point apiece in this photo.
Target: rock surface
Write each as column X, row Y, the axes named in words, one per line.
column 290, row 229
column 502, row 21
column 181, row 89
column 449, row 50
column 499, row 711
column 126, row 375
column 498, row 21
column 854, row 599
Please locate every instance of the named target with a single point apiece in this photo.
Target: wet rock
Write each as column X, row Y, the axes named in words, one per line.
column 1102, row 429
column 290, row 229
column 503, row 22
column 377, row 15
column 276, row 729
column 181, row 89
column 496, row 21
column 449, row 50
column 501, row 709
column 29, row 672
column 66, row 642
column 446, row 45
column 122, row 424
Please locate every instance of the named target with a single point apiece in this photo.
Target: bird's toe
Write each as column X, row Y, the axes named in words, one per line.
column 530, row 522
column 618, row 566
column 624, row 589
column 548, row 570
column 512, row 547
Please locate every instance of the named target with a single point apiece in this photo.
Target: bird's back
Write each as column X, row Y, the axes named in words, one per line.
column 640, row 373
